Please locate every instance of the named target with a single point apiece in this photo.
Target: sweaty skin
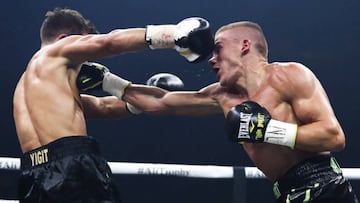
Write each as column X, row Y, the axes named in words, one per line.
column 289, row 91
column 47, row 104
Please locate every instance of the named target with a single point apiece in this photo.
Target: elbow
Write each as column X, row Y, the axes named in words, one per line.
column 338, row 139
column 339, row 143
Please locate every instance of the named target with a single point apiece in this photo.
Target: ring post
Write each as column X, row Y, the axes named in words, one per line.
column 239, row 185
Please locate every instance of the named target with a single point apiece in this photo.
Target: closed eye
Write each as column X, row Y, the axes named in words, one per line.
column 217, row 49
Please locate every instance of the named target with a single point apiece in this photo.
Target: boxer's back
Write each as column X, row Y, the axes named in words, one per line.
column 46, row 102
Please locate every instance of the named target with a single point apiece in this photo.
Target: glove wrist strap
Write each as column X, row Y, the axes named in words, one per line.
column 115, row 85
column 281, row 133
column 160, row 36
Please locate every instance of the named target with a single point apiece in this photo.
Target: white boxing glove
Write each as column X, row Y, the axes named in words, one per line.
column 191, row 37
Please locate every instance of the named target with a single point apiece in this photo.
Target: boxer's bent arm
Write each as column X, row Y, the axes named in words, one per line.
column 319, row 129
column 103, row 107
column 154, row 100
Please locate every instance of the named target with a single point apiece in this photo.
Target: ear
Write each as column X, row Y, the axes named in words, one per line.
column 245, row 46
column 61, row 36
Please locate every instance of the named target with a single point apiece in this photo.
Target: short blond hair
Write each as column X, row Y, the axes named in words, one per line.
column 260, row 44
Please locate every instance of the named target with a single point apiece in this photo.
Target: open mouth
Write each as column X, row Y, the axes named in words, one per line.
column 217, row 72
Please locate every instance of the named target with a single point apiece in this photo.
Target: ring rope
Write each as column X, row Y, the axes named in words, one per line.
column 191, row 171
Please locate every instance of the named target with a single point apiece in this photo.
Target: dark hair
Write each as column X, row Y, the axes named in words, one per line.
column 64, row 21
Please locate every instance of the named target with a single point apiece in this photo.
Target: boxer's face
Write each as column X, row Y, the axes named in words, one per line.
column 226, row 57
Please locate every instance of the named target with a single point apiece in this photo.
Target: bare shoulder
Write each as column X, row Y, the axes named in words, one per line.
column 75, row 49
column 289, row 67
column 291, row 78
column 290, row 72
column 64, row 44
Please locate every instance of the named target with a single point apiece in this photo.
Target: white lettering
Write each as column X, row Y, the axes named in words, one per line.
column 244, row 125
column 163, row 171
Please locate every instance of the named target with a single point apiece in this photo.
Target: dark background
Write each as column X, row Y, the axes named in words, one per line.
column 324, row 35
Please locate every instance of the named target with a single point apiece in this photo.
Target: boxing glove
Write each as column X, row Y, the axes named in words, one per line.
column 250, row 122
column 191, row 37
column 165, row 81
column 95, row 76
column 91, row 76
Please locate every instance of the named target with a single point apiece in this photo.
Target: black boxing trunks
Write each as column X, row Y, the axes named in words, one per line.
column 69, row 170
column 318, row 179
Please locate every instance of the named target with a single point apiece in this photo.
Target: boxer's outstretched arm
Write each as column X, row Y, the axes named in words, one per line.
column 191, row 37
column 155, row 100
column 148, row 98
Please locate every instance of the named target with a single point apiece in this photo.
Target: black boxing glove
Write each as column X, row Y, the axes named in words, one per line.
column 191, row 37
column 166, row 81
column 91, row 76
column 250, row 122
column 95, row 76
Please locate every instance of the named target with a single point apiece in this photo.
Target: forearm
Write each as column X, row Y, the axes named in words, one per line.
column 103, row 107
column 319, row 137
column 147, row 98
column 314, row 137
column 250, row 122
column 126, row 40
column 141, row 97
column 155, row 100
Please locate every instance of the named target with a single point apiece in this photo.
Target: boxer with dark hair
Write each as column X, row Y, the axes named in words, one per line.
column 60, row 162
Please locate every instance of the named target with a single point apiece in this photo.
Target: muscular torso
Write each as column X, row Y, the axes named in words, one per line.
column 273, row 160
column 46, row 102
